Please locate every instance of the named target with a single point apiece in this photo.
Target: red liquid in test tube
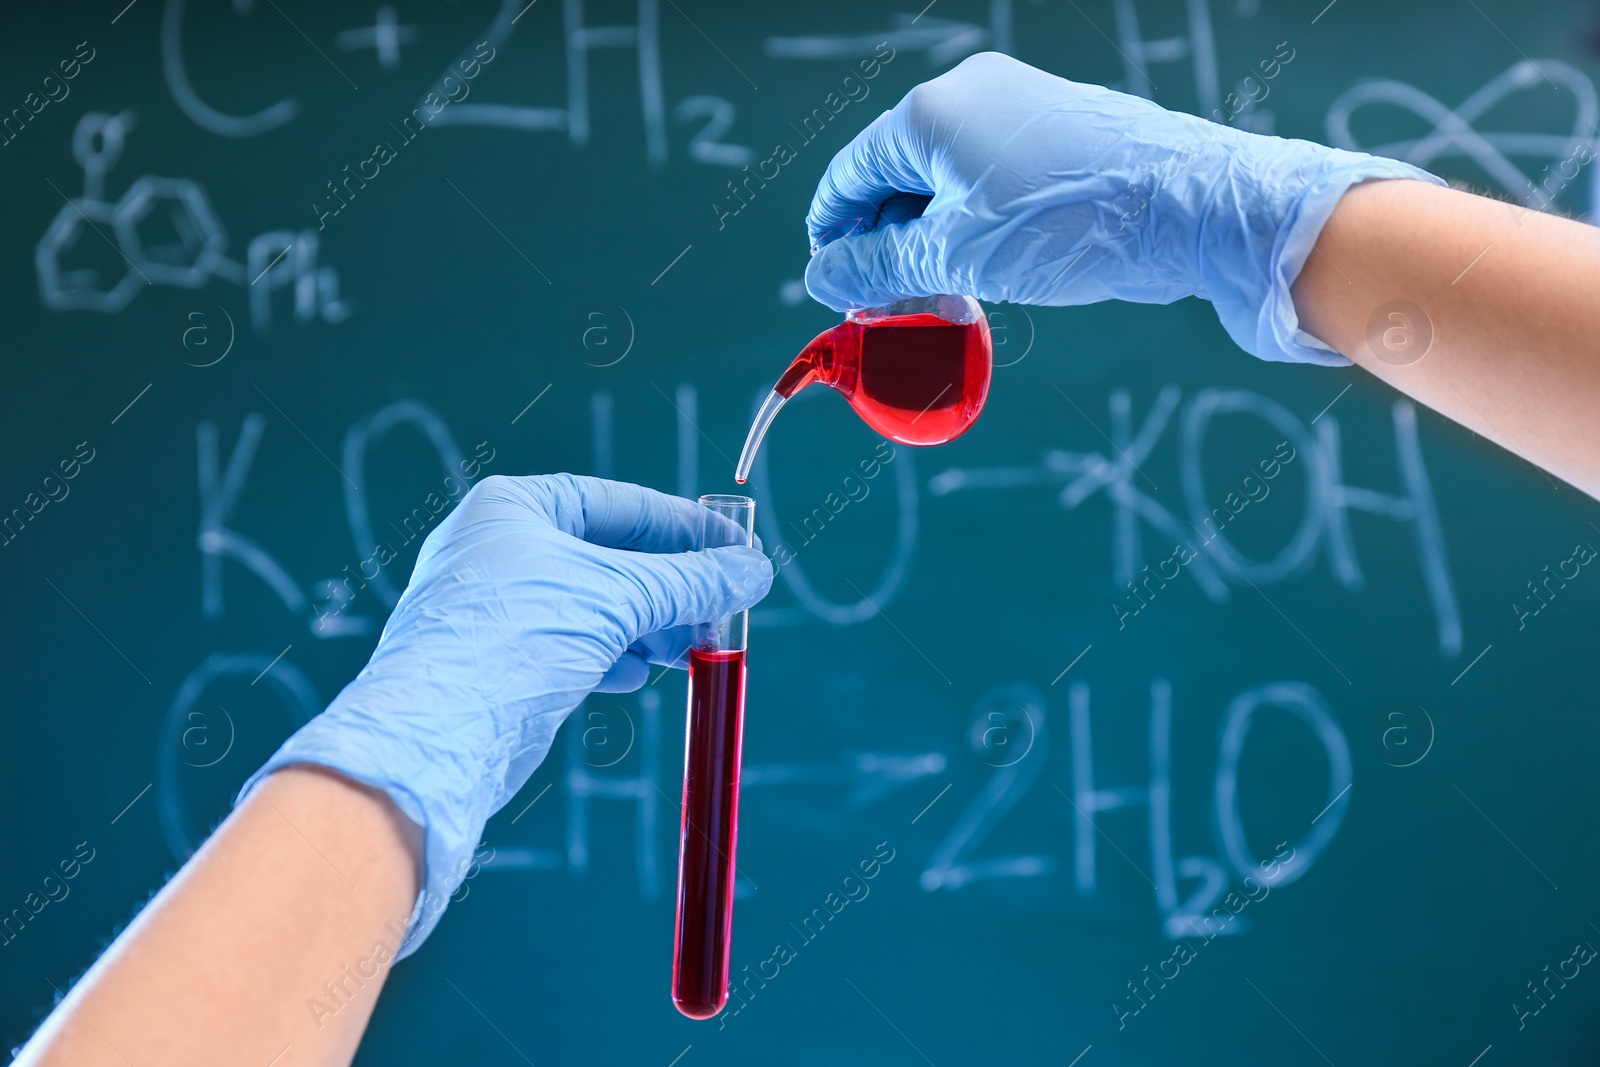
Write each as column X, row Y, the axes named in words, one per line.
column 709, row 833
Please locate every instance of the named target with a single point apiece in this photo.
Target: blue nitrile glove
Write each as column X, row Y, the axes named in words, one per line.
column 533, row 593
column 1048, row 191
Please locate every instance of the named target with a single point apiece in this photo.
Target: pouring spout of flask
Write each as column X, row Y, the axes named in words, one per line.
column 758, row 430
column 813, row 364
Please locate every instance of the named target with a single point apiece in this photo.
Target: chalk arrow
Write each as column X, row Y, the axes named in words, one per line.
column 871, row 776
column 943, row 40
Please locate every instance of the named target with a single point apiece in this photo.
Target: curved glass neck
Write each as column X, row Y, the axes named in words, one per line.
column 758, row 430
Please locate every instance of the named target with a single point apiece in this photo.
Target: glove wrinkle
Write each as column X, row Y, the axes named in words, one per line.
column 524, row 600
column 1158, row 205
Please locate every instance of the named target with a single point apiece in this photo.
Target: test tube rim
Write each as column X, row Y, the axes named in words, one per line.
column 727, row 500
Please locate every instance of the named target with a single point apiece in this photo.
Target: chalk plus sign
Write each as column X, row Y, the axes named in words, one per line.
column 384, row 36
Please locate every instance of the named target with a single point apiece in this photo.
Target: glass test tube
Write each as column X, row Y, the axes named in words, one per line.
column 710, row 829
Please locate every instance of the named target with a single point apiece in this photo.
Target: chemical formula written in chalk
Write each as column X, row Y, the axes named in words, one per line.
column 165, row 233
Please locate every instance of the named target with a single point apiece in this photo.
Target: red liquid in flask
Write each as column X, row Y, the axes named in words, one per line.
column 710, row 832
column 917, row 372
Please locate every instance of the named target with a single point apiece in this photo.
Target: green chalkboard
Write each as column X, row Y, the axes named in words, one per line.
column 1187, row 708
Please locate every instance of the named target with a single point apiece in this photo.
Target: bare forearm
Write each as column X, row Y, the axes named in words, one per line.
column 299, row 900
column 1512, row 300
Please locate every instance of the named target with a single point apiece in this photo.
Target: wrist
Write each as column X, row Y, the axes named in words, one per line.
column 1260, row 228
column 368, row 738
column 306, row 793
